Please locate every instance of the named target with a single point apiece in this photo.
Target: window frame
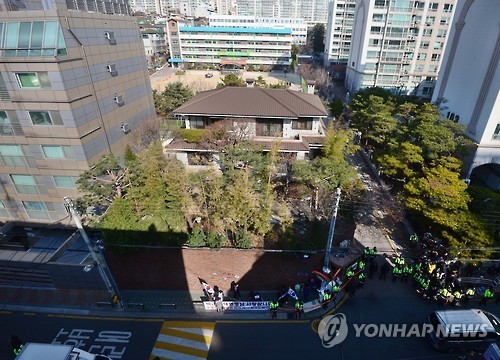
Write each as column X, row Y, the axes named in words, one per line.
column 51, row 122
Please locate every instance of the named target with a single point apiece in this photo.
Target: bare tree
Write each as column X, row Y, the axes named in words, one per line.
column 147, row 132
column 229, row 131
column 318, row 74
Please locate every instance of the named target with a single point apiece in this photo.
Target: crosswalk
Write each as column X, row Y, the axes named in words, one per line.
column 183, row 340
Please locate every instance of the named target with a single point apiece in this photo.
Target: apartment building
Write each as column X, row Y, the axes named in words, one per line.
column 298, row 26
column 159, row 7
column 469, row 84
column 227, row 47
column 73, row 86
column 339, row 32
column 312, row 11
column 154, row 38
column 399, row 45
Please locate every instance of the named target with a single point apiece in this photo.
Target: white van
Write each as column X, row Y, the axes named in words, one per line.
column 471, row 329
column 36, row 351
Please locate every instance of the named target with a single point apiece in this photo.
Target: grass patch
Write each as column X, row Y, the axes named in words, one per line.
column 191, row 135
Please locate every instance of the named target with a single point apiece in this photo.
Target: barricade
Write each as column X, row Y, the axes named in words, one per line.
column 136, row 305
column 238, row 305
column 167, row 306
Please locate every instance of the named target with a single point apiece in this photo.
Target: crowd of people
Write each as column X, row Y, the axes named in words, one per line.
column 439, row 279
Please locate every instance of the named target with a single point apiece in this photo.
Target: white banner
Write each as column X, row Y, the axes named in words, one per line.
column 238, row 305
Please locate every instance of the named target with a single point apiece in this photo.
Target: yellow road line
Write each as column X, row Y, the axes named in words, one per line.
column 182, row 349
column 29, row 314
column 5, row 312
column 187, row 335
column 190, row 324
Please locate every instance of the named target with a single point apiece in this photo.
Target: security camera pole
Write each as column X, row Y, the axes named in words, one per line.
column 96, row 255
column 326, row 263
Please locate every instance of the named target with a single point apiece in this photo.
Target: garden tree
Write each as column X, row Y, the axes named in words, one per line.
column 316, row 38
column 226, row 132
column 318, row 74
column 103, row 182
column 439, row 193
column 242, row 205
column 260, row 82
column 295, row 50
column 119, row 225
column 159, row 197
column 438, row 137
column 402, row 162
column 232, row 80
column 129, row 155
column 331, row 170
column 246, row 155
column 206, row 190
column 173, row 96
column 146, row 132
column 335, row 107
column 373, row 117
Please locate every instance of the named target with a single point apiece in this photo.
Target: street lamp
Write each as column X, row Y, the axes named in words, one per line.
column 326, row 263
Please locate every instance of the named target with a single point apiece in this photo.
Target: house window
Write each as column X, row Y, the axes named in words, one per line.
column 12, row 155
column 496, row 133
column 196, row 122
column 33, row 80
column 58, row 152
column 36, row 209
column 24, row 184
column 65, row 182
column 302, row 124
column 269, row 127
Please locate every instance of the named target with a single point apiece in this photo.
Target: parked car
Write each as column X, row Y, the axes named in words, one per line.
column 209, row 75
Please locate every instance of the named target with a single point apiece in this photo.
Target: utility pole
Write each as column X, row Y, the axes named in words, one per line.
column 97, row 256
column 326, row 263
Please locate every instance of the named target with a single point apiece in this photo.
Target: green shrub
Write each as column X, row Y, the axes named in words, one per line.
column 196, row 238
column 191, row 135
column 214, row 240
column 180, row 72
column 242, row 240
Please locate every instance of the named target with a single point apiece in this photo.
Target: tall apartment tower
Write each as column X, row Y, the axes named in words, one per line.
column 73, row 86
column 469, row 83
column 339, row 31
column 312, row 11
column 398, row 45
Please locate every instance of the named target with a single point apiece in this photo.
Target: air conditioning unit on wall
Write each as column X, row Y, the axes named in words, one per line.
column 119, row 100
column 125, row 128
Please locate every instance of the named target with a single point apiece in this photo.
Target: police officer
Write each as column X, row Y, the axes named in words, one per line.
column 487, row 295
column 396, row 271
column 373, row 252
column 273, row 306
column 407, row 270
column 361, row 265
column 469, row 294
column 457, row 296
column 361, row 278
column 444, row 294
column 299, row 308
column 349, row 273
column 326, row 298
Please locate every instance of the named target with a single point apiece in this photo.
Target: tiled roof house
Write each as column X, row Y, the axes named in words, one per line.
column 294, row 118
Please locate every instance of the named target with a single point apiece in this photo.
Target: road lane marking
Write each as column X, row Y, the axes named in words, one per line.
column 102, row 318
column 183, row 340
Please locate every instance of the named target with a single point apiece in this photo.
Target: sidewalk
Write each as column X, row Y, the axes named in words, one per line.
column 138, row 304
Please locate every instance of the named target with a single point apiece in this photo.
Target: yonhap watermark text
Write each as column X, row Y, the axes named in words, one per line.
column 333, row 330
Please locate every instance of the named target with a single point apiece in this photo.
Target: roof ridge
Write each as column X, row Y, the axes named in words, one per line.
column 266, row 91
column 295, row 93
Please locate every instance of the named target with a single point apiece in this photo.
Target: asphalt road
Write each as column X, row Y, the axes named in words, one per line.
column 379, row 302
column 119, row 339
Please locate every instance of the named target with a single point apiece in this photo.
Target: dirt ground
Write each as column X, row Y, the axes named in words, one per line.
column 196, row 80
column 179, row 269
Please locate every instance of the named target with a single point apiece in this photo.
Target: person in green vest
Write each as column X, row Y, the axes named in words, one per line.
column 299, row 308
column 273, row 306
column 457, row 297
column 349, row 273
column 361, row 265
column 407, row 270
column 326, row 299
column 487, row 295
column 361, row 278
column 469, row 294
column 396, row 272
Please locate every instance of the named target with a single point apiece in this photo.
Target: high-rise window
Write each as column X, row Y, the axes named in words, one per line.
column 433, row 6
column 58, row 152
column 448, row 8
column 64, row 181
column 36, row 209
column 33, row 80
column 12, row 155
column 32, row 38
column 5, row 127
column 435, row 57
column 3, row 210
column 24, row 184
column 40, row 117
